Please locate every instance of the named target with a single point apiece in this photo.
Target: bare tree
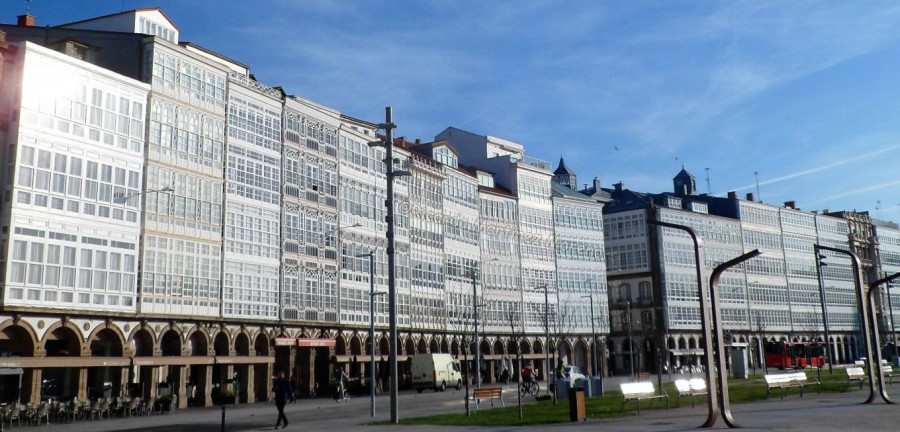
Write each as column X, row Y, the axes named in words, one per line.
column 516, row 332
column 561, row 330
column 464, row 327
column 759, row 326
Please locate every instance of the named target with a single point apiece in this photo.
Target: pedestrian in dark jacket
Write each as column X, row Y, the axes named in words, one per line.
column 283, row 394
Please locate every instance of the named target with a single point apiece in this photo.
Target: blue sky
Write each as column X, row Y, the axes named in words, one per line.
column 803, row 93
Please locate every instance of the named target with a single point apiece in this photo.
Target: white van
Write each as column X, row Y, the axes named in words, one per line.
column 435, row 371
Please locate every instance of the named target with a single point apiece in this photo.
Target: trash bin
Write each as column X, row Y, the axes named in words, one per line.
column 561, row 387
column 596, row 386
column 585, row 385
column 577, row 412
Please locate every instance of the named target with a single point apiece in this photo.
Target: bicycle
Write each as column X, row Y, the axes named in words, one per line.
column 529, row 387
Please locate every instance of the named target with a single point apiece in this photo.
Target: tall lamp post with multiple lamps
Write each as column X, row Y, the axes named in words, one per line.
column 388, row 143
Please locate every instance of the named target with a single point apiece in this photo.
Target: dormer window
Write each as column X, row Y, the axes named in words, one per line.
column 445, row 156
column 485, row 179
column 152, row 28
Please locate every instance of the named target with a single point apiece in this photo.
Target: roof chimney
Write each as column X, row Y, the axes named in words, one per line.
column 418, row 141
column 732, row 195
column 750, row 196
column 619, row 186
column 26, row 20
column 596, row 185
column 790, row 204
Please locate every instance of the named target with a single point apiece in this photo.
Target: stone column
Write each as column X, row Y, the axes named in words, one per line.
column 250, row 384
column 292, row 362
column 123, row 380
column 82, row 383
column 270, row 394
column 208, row 385
column 154, row 379
column 311, row 370
column 32, row 388
column 180, row 389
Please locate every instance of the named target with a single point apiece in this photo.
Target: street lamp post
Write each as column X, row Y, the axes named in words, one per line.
column 594, row 342
column 819, row 264
column 477, row 352
column 547, row 335
column 887, row 289
column 372, row 295
column 388, row 143
column 630, row 336
column 124, row 198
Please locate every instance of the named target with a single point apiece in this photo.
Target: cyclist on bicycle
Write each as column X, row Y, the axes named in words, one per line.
column 528, row 374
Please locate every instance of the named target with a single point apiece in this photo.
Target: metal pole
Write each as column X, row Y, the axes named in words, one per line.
column 887, row 290
column 372, row 331
column 388, row 127
column 223, row 417
column 477, row 342
column 864, row 320
column 594, row 343
column 547, row 336
column 822, row 298
column 630, row 337
column 593, row 337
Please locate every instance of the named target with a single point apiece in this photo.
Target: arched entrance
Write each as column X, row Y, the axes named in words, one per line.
column 16, row 341
column 171, row 345
column 199, row 346
column 63, row 382
column 106, row 343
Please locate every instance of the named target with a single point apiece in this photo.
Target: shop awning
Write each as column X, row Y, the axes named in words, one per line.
column 244, row 359
column 55, row 362
column 316, row 343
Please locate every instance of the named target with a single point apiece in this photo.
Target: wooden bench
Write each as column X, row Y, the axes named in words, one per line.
column 490, row 393
column 693, row 388
column 855, row 374
column 785, row 381
column 638, row 391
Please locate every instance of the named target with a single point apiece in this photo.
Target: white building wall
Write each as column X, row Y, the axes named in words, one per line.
column 74, row 224
column 252, row 201
column 310, row 229
column 182, row 244
column 362, row 194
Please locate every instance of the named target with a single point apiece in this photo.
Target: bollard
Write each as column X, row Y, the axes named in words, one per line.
column 223, row 417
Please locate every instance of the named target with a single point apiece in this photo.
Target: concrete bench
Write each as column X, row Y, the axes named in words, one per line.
column 638, row 391
column 887, row 371
column 786, row 381
column 489, row 393
column 855, row 373
column 693, row 388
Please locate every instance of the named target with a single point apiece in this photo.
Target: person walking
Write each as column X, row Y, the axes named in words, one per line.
column 283, row 394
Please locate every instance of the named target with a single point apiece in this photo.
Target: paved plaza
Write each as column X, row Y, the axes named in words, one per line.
column 813, row 412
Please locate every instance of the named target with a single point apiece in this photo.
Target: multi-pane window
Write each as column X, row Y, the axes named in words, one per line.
column 187, row 80
column 253, row 175
column 186, row 137
column 53, row 267
column 251, row 230
column 72, row 184
column 90, row 108
column 254, row 123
